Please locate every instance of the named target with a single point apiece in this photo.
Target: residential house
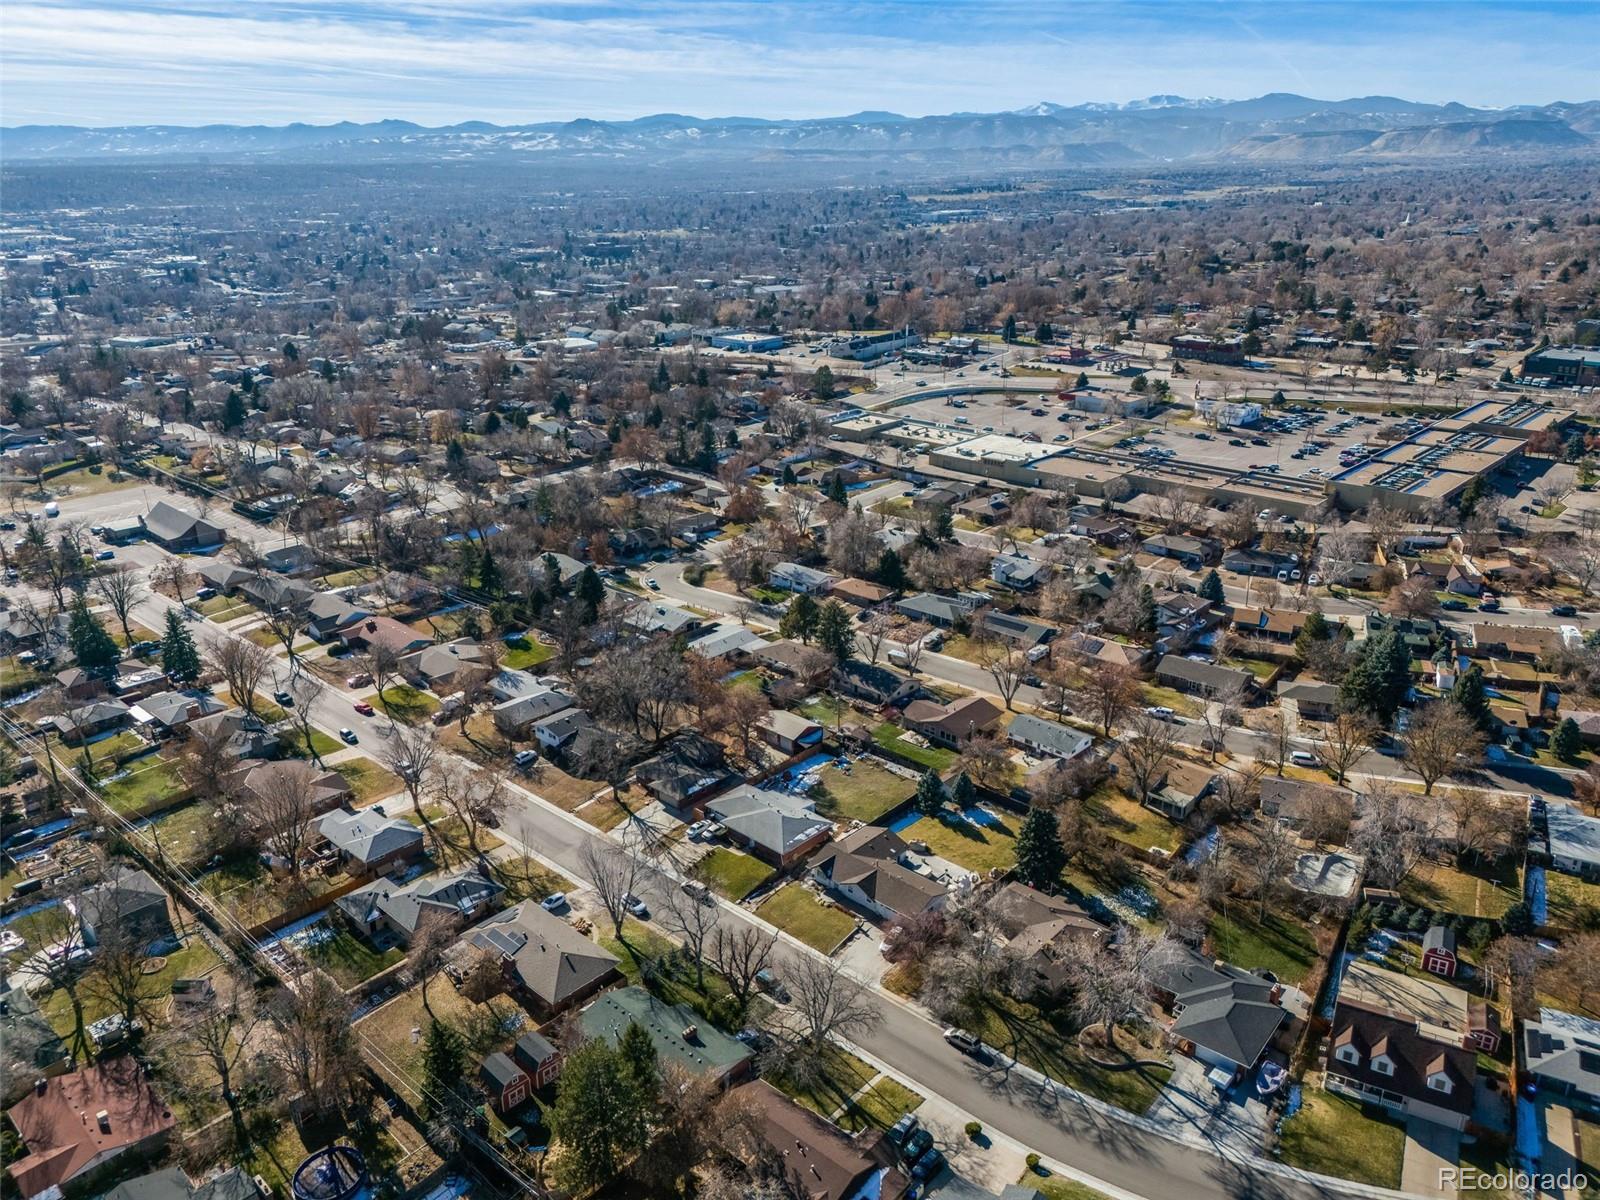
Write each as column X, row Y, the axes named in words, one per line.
column 859, row 593
column 170, row 1183
column 30, row 1047
column 384, row 910
column 956, row 723
column 793, row 577
column 690, row 766
column 1044, row 932
column 1379, row 1060
column 129, row 904
column 446, row 667
column 1192, row 552
column 816, row 1159
column 1439, row 951
column 1265, row 563
column 547, row 964
column 794, row 659
column 1018, row 572
column 75, row 1123
column 1309, row 699
column 865, row 867
column 986, row 510
column 181, row 531
column 134, row 681
column 274, row 593
column 1268, row 624
column 517, row 714
column 1020, row 632
column 385, row 632
column 168, row 712
column 1182, row 618
column 319, row 791
column 1519, row 643
column 1092, row 648
column 1224, row 1016
column 329, row 615
column 1573, row 841
column 369, row 842
column 943, row 612
column 1105, row 531
column 774, row 826
column 788, row 732
column 875, row 684
column 560, row 730
column 1439, row 1011
column 732, row 642
column 1049, row 738
column 226, row 577
column 78, row 725
column 1307, row 805
column 243, row 736
column 679, row 1034
column 1180, row 785
column 1202, row 678
column 1561, row 1054
column 655, row 619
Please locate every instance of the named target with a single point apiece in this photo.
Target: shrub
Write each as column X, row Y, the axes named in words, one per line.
column 1033, row 1163
column 974, row 1130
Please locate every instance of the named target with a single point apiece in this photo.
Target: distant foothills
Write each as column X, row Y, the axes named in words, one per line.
column 1275, row 128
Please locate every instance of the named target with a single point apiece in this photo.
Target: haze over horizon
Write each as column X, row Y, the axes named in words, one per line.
column 440, row 62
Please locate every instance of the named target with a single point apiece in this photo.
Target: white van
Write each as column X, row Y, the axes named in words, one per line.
column 1304, row 758
column 52, row 509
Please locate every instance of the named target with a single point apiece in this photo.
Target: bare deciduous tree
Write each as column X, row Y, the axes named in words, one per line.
column 1438, row 736
column 1146, row 746
column 412, row 752
column 614, row 873
column 1345, row 740
column 244, row 665
column 1109, row 691
column 121, row 590
column 740, row 952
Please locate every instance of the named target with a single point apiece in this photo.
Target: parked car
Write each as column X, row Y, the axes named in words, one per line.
column 1304, row 758
column 524, row 759
column 554, row 902
column 348, row 737
column 365, row 709
column 929, row 1165
column 283, row 699
column 1563, row 610
column 1453, row 605
column 205, row 593
column 698, row 890
column 1161, row 711
column 963, row 1041
column 144, row 649
column 902, row 1129
column 361, row 680
column 917, row 1144
column 636, row 906
column 105, row 556
column 652, row 585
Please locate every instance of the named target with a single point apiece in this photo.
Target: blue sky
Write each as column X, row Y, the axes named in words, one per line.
column 190, row 62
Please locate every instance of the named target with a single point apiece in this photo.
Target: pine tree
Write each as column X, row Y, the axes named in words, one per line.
column 1378, row 681
column 444, row 1063
column 836, row 492
column 233, row 412
column 599, row 1116
column 1470, row 696
column 1009, row 332
column 944, row 526
column 822, row 383
column 1147, row 610
column 1567, row 742
column 962, row 793
column 930, row 793
column 788, row 475
column 834, row 633
column 638, row 1054
column 1211, row 588
column 179, row 656
column 91, row 644
column 891, row 571
column 800, row 619
column 1040, row 856
column 1316, row 629
column 591, row 592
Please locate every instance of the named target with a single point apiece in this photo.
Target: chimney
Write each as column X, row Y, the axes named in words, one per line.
column 104, row 1120
column 39, row 1086
column 1276, row 994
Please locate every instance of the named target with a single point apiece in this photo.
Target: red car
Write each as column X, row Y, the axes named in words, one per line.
column 364, row 708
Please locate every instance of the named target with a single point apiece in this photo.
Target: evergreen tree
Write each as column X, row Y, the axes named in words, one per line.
column 91, row 644
column 489, row 574
column 800, row 619
column 455, row 456
column 179, row 656
column 930, row 793
column 444, row 1064
column 1567, row 742
column 591, row 592
column 962, row 793
column 891, row 571
column 1009, row 332
column 788, row 475
column 836, row 491
column 1147, row 610
column 1378, row 681
column 834, row 633
column 1315, row 629
column 1211, row 588
column 1470, row 696
column 1040, row 856
column 944, row 526
column 822, row 386
column 599, row 1117
column 1083, row 382
column 233, row 412
column 638, row 1054
column 1045, row 333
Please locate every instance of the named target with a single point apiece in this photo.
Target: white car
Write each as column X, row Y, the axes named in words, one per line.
column 1162, row 711
column 1304, row 758
column 525, row 758
column 554, row 902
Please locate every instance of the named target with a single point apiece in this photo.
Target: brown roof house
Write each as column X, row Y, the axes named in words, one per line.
column 1044, row 930
column 1178, row 787
column 956, row 723
column 548, row 965
column 446, row 667
column 78, row 1122
column 865, row 867
column 817, row 1160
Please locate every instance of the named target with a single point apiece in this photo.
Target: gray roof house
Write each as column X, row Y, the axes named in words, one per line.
column 545, row 960
column 795, row 577
column 776, row 826
column 1562, row 1051
column 329, row 614
column 1228, row 1014
column 1047, row 737
column 459, row 896
column 513, row 716
column 1574, row 841
column 1189, row 675
column 1022, row 633
column 943, row 611
column 128, row 900
column 170, row 1183
column 369, row 839
column 727, row 641
column 173, row 710
column 560, row 730
column 653, row 617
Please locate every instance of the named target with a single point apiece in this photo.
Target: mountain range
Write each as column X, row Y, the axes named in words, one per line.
column 1279, row 127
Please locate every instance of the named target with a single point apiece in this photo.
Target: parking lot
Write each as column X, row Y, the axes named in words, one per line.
column 1038, row 413
column 1319, row 443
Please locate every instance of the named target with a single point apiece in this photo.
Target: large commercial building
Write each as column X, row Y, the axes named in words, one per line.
column 863, row 347
column 1574, row 366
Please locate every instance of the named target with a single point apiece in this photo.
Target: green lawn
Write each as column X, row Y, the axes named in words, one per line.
column 1157, row 694
column 404, row 703
column 1131, row 822
column 796, row 911
column 880, row 1106
column 978, row 848
column 837, row 1076
column 350, row 960
column 1258, row 667
column 1061, row 1189
column 863, row 793
column 1280, row 944
column 192, row 960
column 1334, row 1136
column 641, row 946
column 827, row 711
column 149, row 781
column 105, row 752
column 888, row 736
column 222, row 608
column 187, row 834
column 1480, row 892
column 731, row 873
column 1574, row 904
column 523, row 653
column 447, row 837
column 526, row 878
column 368, row 781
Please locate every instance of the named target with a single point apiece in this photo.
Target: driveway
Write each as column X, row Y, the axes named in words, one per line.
column 1189, row 1108
column 1430, row 1150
